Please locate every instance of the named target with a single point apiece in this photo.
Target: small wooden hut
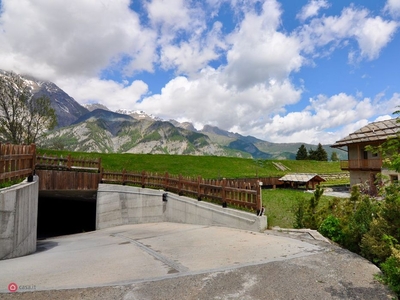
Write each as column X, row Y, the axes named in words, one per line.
column 297, row 179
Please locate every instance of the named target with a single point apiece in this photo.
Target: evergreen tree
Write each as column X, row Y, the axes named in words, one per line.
column 302, row 153
column 319, row 154
column 334, row 156
column 312, row 154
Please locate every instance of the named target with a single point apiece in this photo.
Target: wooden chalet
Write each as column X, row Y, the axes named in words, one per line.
column 298, row 179
column 364, row 165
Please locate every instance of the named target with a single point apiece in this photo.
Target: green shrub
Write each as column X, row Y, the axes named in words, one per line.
column 358, row 222
column 391, row 270
column 384, row 231
column 331, row 228
column 307, row 213
column 299, row 211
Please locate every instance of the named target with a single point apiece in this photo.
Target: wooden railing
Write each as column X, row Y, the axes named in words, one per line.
column 16, row 161
column 241, row 193
column 19, row 161
column 68, row 163
column 361, row 164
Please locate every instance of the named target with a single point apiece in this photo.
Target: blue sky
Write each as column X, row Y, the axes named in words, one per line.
column 283, row 71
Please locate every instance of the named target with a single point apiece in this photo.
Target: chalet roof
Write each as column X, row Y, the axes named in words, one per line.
column 301, row 177
column 373, row 132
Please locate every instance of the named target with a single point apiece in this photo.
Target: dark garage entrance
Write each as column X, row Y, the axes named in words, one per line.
column 66, row 212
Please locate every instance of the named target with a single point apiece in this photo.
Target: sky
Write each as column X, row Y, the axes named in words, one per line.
column 282, row 71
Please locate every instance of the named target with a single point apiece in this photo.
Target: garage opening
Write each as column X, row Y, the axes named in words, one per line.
column 63, row 213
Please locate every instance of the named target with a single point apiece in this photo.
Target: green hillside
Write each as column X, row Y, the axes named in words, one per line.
column 204, row 166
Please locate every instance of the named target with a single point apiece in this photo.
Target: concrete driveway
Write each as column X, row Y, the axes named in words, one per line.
column 180, row 261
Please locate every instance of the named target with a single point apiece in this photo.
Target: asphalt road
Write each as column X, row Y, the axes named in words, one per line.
column 180, row 261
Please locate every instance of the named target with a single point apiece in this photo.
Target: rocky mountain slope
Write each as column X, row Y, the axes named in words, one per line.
column 106, row 131
column 66, row 108
column 94, row 127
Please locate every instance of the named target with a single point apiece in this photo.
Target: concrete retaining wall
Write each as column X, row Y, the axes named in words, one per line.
column 18, row 219
column 119, row 205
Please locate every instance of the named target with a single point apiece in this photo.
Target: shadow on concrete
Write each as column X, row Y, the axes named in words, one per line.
column 44, row 245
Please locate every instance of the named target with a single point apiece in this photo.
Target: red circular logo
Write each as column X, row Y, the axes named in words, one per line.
column 12, row 287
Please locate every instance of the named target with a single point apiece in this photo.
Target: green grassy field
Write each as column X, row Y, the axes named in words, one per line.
column 204, row 166
column 279, row 205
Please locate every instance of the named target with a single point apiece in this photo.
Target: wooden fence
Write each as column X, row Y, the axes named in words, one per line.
column 68, row 163
column 16, row 161
column 68, row 173
column 241, row 193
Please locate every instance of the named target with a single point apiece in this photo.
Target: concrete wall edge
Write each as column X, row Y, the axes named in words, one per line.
column 179, row 209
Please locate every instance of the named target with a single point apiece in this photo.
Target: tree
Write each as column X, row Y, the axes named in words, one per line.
column 302, row 153
column 318, row 154
column 334, row 156
column 22, row 118
column 306, row 214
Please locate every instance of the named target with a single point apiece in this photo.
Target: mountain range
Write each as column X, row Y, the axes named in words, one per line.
column 94, row 128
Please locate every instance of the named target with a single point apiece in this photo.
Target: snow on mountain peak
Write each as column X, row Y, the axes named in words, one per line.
column 137, row 114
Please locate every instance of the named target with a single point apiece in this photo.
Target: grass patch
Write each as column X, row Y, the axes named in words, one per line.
column 9, row 183
column 279, row 205
column 205, row 166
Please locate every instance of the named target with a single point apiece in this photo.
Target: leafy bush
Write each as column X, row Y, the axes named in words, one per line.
column 384, row 231
column 391, row 270
column 358, row 222
column 331, row 228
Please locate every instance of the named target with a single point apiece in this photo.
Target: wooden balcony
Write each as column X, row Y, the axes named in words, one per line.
column 361, row 164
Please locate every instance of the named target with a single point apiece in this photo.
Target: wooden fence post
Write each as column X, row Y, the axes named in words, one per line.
column 101, row 171
column 143, row 179
column 123, row 177
column 199, row 193
column 69, row 162
column 180, row 185
column 223, row 195
column 166, row 181
column 259, row 197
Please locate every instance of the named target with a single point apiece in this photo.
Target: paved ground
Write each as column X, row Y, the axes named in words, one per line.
column 179, row 261
column 339, row 193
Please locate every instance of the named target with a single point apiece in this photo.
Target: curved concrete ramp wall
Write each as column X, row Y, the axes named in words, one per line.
column 120, row 205
column 18, row 219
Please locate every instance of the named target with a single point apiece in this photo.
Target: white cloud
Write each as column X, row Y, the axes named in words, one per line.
column 188, row 57
column 207, row 101
column 374, row 35
column 383, row 118
column 250, row 92
column 312, row 9
column 371, row 33
column 107, row 92
column 259, row 52
column 50, row 38
column 316, row 122
column 393, row 7
column 170, row 15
